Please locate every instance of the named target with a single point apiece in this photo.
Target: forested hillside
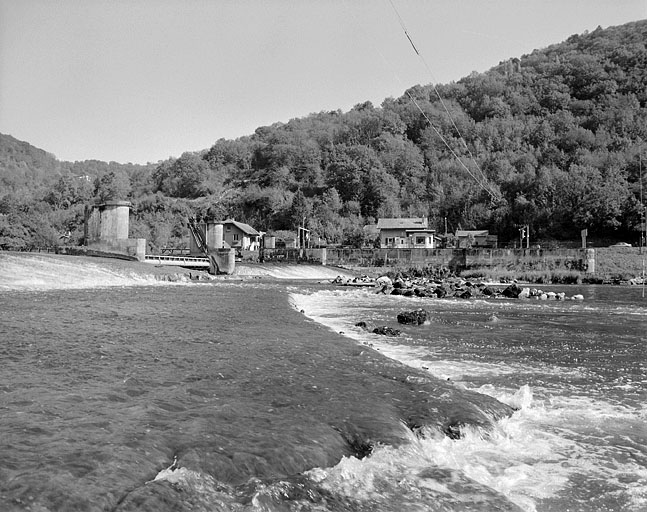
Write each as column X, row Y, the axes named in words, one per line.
column 552, row 139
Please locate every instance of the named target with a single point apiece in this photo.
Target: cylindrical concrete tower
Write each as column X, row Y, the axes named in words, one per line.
column 214, row 235
column 114, row 220
column 218, row 236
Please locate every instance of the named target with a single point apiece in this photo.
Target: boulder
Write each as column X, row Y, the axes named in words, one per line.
column 514, row 291
column 386, row 331
column 384, row 281
column 416, row 317
column 440, row 292
column 465, row 294
column 423, row 292
column 488, row 291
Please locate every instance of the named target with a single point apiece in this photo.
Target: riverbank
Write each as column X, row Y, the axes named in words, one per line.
column 592, row 265
column 612, row 266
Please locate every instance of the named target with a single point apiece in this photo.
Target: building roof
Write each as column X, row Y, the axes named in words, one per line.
column 478, row 232
column 417, row 223
column 245, row 228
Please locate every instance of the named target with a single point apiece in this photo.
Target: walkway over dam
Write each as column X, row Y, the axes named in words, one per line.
column 178, row 261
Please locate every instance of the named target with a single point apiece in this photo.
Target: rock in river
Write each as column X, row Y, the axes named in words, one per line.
column 416, row 317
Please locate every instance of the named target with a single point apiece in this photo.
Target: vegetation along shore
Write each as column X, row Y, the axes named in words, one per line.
column 559, row 134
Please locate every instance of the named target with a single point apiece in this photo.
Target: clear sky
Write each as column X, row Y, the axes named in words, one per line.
column 142, row 80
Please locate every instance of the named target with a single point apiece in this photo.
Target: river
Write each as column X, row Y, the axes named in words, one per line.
column 119, row 391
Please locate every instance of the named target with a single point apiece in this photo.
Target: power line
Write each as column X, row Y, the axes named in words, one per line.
column 482, row 185
column 482, row 181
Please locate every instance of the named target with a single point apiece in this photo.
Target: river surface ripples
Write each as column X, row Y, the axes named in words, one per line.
column 124, row 393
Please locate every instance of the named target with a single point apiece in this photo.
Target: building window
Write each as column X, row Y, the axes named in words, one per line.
column 236, row 237
column 389, row 240
column 420, row 240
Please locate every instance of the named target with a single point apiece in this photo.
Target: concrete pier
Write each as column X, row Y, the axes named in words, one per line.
column 222, row 261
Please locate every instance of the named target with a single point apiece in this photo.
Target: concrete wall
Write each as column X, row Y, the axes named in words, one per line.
column 134, row 248
column 532, row 259
column 455, row 259
column 130, row 249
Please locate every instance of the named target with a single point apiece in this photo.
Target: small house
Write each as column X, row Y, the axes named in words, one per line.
column 239, row 235
column 406, row 233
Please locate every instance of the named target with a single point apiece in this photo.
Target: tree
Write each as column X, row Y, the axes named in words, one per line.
column 68, row 191
column 112, row 186
column 300, row 210
column 183, row 177
column 594, row 201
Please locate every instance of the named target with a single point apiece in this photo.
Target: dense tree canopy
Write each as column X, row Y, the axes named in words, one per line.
column 553, row 139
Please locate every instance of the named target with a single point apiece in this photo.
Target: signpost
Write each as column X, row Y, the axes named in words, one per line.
column 524, row 233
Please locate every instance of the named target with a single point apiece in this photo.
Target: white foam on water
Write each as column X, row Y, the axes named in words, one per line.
column 34, row 273
column 544, row 447
column 288, row 271
column 513, row 464
column 201, row 488
column 324, row 308
column 522, row 459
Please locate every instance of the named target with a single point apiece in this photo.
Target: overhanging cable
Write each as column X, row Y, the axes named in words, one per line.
column 484, row 183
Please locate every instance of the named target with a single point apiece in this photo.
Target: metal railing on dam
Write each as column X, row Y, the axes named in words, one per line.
column 177, row 261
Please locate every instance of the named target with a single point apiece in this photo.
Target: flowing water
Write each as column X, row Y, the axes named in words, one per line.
column 122, row 392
